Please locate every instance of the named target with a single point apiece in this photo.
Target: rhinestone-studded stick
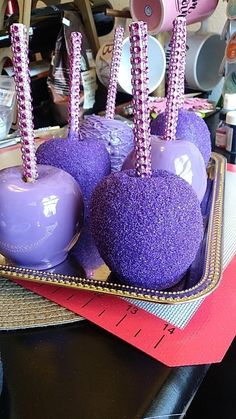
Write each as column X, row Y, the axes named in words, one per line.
column 182, row 65
column 114, row 71
column 74, row 83
column 19, row 41
column 175, row 77
column 184, row 12
column 139, row 73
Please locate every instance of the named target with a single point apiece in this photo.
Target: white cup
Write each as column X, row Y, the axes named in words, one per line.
column 204, row 54
column 156, row 63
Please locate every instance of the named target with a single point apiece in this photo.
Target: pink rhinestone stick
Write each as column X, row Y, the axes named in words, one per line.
column 175, row 77
column 74, row 83
column 139, row 73
column 20, row 61
column 114, row 71
column 182, row 65
column 184, row 11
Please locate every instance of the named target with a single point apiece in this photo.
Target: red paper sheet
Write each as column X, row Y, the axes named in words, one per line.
column 204, row 340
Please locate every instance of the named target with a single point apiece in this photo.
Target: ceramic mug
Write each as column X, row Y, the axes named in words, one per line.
column 159, row 14
column 156, row 62
column 204, row 54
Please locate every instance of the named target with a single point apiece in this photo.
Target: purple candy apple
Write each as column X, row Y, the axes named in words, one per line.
column 86, row 253
column 190, row 127
column 117, row 136
column 39, row 221
column 87, row 160
column 179, row 157
column 147, row 230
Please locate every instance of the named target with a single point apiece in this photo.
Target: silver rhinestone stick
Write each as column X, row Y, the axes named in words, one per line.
column 74, row 83
column 139, row 73
column 114, row 71
column 19, row 41
column 175, row 76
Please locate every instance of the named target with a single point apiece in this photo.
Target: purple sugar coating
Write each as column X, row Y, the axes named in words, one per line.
column 147, row 230
column 190, row 127
column 116, row 135
column 87, row 161
column 86, row 252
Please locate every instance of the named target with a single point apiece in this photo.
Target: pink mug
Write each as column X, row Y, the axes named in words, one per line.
column 159, row 14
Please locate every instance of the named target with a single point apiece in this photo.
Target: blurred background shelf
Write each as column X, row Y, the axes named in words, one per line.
column 36, row 17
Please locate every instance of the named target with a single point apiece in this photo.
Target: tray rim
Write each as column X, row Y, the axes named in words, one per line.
column 212, row 272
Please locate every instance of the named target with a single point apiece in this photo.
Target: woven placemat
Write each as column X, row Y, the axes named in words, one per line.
column 21, row 309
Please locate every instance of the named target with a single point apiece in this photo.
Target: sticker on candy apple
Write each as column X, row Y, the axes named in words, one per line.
column 230, row 52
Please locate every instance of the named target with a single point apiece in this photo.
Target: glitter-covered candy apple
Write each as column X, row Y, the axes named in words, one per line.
column 179, row 157
column 114, row 134
column 190, row 127
column 86, row 159
column 147, row 229
column 41, row 207
column 147, row 224
column 85, row 251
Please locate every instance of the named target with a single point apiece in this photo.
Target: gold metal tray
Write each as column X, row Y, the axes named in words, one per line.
column 201, row 279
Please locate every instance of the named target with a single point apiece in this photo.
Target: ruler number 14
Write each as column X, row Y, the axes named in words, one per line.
column 168, row 328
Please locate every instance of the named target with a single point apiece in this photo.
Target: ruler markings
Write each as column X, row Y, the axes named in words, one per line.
column 121, row 320
column 88, row 302
column 159, row 341
column 174, row 350
column 70, row 297
column 137, row 333
column 56, row 290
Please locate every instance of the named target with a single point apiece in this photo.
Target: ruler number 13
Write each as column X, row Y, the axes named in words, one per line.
column 132, row 309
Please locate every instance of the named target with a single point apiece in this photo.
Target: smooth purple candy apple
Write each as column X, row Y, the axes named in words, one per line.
column 179, row 157
column 116, row 135
column 191, row 127
column 147, row 230
column 40, row 221
column 86, row 160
